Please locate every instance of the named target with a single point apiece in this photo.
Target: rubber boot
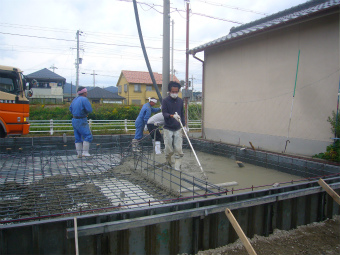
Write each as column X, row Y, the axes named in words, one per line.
column 134, row 145
column 86, row 147
column 168, row 160
column 79, row 149
column 158, row 147
column 178, row 162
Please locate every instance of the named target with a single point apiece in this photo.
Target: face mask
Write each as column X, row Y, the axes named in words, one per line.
column 174, row 95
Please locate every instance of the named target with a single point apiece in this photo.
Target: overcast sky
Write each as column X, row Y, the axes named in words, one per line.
column 39, row 34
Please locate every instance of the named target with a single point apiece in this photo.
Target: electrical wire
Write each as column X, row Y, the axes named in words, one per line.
column 178, row 10
column 232, row 7
column 68, row 40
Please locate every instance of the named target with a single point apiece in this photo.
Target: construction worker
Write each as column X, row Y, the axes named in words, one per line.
column 173, row 112
column 143, row 118
column 153, row 123
column 80, row 108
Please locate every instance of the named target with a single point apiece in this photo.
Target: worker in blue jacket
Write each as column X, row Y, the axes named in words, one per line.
column 142, row 119
column 80, row 108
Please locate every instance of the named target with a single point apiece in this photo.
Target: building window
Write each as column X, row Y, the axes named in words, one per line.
column 136, row 102
column 138, row 88
column 43, row 85
column 148, row 88
column 119, row 89
column 125, row 87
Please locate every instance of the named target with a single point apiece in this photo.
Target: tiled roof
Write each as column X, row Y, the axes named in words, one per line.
column 290, row 15
column 99, row 93
column 143, row 77
column 67, row 89
column 45, row 74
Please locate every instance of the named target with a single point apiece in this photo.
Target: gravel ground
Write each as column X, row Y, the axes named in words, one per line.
column 321, row 238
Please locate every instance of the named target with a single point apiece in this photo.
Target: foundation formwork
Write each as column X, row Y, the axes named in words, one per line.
column 153, row 219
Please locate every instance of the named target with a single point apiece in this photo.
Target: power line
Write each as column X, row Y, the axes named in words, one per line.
column 67, row 40
column 61, row 30
column 178, row 10
column 231, row 7
column 87, row 33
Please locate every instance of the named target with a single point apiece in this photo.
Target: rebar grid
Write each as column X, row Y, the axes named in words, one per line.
column 43, row 180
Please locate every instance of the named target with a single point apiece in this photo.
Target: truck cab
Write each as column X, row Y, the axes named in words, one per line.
column 14, row 103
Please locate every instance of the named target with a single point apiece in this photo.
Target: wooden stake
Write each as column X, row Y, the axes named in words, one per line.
column 330, row 191
column 252, row 146
column 240, row 232
column 76, row 235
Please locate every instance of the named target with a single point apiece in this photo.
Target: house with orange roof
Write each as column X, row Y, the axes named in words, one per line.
column 137, row 86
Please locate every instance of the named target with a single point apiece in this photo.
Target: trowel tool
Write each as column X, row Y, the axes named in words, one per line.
column 192, row 148
column 239, row 163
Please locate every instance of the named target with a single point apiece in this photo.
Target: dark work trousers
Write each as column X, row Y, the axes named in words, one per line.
column 158, row 134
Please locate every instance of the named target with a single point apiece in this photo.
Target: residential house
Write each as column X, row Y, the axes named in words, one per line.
column 137, row 86
column 99, row 95
column 49, row 87
column 103, row 96
column 250, row 75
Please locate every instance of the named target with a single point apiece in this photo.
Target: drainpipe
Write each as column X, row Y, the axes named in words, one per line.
column 202, row 110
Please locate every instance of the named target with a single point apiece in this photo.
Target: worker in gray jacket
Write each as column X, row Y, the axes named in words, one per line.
column 173, row 112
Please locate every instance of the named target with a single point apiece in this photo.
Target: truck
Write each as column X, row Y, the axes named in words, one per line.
column 14, row 103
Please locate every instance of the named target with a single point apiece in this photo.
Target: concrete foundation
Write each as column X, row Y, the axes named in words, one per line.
column 171, row 226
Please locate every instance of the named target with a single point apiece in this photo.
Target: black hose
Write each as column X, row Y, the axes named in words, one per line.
column 144, row 51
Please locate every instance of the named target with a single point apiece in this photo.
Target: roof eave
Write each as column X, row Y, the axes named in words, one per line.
column 298, row 20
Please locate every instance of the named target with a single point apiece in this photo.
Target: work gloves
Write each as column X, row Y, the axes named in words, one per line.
column 145, row 128
column 177, row 117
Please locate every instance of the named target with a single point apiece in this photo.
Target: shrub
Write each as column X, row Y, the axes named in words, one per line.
column 332, row 151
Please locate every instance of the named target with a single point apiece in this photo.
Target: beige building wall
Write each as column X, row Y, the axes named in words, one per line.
column 249, row 88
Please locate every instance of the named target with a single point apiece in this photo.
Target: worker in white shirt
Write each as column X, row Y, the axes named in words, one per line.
column 153, row 123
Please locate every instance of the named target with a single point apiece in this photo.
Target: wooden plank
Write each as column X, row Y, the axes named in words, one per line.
column 329, row 190
column 252, row 146
column 240, row 232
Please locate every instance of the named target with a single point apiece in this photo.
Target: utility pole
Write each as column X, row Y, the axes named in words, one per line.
column 187, row 66
column 94, row 79
column 192, row 88
column 166, row 47
column 172, row 50
column 192, row 83
column 53, row 67
column 77, row 60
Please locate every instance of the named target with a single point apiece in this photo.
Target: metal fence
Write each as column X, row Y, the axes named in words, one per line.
column 59, row 126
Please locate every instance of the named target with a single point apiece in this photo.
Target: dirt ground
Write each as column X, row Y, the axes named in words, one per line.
column 321, row 238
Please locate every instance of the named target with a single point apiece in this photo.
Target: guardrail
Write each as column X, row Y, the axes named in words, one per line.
column 59, row 126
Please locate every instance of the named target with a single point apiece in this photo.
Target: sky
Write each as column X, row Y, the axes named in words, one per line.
column 39, row 34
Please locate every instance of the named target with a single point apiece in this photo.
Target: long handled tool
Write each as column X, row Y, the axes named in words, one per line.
column 291, row 110
column 192, row 148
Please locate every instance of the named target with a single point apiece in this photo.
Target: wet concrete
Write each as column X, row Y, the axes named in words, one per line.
column 221, row 169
